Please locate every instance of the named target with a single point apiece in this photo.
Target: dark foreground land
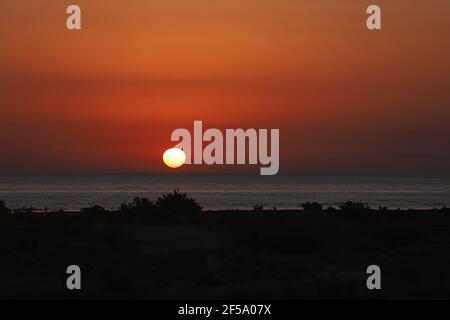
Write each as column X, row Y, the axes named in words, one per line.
column 141, row 252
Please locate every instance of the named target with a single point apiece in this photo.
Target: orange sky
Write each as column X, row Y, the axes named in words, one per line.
column 106, row 98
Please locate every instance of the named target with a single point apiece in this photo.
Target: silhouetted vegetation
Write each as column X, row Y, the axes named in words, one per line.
column 94, row 210
column 141, row 251
column 138, row 206
column 258, row 208
column 174, row 203
column 312, row 206
column 24, row 210
column 350, row 206
column 3, row 208
column 445, row 210
column 178, row 203
column 355, row 210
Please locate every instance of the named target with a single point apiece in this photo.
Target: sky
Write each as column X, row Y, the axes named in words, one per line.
column 106, row 98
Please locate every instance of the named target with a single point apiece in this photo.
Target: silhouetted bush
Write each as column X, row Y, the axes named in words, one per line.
column 94, row 210
column 24, row 210
column 351, row 206
column 446, row 210
column 258, row 207
column 312, row 206
column 178, row 203
column 356, row 210
column 138, row 206
column 3, row 208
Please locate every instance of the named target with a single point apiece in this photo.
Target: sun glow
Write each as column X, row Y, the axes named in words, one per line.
column 174, row 158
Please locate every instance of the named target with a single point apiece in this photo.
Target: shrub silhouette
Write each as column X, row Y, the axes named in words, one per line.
column 312, row 206
column 24, row 210
column 3, row 208
column 446, row 210
column 355, row 210
column 258, row 208
column 94, row 210
column 138, row 206
column 351, row 206
column 178, row 203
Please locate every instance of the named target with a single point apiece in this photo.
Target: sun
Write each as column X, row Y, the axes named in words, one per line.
column 174, row 158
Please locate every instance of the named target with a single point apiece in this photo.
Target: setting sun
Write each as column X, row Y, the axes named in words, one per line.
column 174, row 158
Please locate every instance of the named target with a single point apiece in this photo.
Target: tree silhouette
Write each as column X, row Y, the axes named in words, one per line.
column 138, row 206
column 312, row 206
column 178, row 203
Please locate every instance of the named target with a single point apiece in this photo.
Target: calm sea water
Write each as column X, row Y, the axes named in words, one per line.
column 221, row 191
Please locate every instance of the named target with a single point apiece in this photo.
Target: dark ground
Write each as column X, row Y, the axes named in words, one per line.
column 215, row 255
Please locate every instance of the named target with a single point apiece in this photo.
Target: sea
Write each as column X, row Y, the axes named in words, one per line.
column 221, row 191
